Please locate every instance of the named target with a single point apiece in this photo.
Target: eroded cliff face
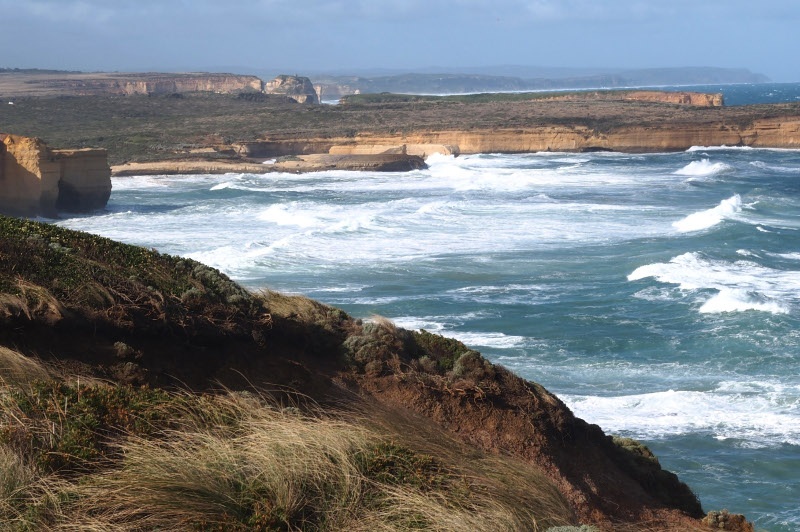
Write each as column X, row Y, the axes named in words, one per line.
column 29, row 177
column 695, row 99
column 85, row 183
column 298, row 88
column 36, row 180
column 762, row 133
column 166, row 84
column 83, row 84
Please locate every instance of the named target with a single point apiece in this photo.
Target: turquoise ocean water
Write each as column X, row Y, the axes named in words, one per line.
column 658, row 295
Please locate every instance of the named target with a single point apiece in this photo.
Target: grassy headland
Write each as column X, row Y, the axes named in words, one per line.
column 141, row 391
column 157, row 127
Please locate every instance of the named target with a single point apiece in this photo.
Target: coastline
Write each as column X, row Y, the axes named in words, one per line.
column 295, row 164
column 407, row 151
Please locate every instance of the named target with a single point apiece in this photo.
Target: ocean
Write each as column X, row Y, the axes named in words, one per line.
column 658, row 295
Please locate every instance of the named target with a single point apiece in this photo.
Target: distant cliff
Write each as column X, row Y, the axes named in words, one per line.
column 781, row 132
column 37, row 180
column 45, row 83
column 104, row 83
column 298, row 88
column 520, row 78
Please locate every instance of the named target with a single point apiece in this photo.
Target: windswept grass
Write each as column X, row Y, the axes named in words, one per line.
column 119, row 458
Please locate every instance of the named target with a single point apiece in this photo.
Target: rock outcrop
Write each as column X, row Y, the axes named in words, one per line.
column 382, row 162
column 298, row 88
column 37, row 180
column 420, row 150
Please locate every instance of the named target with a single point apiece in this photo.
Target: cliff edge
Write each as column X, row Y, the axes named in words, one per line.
column 298, row 88
column 37, row 180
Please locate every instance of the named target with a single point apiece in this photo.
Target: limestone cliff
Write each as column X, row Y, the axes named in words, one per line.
column 420, row 150
column 85, row 183
column 103, row 83
column 781, row 132
column 298, row 88
column 36, row 180
column 696, row 99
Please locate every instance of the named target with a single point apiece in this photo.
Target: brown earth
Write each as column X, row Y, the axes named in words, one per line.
column 186, row 325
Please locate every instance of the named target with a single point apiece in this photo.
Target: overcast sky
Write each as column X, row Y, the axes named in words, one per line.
column 316, row 35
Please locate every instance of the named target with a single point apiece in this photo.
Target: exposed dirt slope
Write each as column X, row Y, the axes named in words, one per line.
column 135, row 316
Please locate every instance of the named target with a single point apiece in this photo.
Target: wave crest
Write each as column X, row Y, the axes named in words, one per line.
column 701, row 220
column 703, row 168
column 740, row 285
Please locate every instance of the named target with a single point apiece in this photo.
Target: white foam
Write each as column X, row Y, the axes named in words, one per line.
column 730, row 300
column 762, row 417
column 703, row 168
column 494, row 340
column 284, row 214
column 699, row 221
column 722, row 147
column 778, row 169
column 747, row 253
column 741, row 285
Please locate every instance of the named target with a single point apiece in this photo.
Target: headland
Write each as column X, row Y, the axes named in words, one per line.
column 244, row 125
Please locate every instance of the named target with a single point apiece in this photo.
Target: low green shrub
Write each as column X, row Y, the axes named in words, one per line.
column 69, row 428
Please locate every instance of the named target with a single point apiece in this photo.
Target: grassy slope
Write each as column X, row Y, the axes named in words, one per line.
column 85, row 322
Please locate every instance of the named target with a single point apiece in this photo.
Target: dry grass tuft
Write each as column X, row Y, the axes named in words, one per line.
column 239, row 461
column 17, row 369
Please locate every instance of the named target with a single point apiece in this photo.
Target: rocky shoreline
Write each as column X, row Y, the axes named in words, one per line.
column 291, row 164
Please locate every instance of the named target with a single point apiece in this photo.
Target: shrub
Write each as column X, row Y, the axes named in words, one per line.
column 471, row 365
column 69, row 428
column 445, row 351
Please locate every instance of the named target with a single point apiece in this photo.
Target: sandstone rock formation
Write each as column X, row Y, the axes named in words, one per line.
column 382, row 162
column 782, row 132
column 36, row 180
column 95, row 84
column 298, row 88
column 420, row 150
column 696, row 99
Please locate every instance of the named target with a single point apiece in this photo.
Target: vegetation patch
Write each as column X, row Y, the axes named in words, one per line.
column 68, row 428
column 139, row 459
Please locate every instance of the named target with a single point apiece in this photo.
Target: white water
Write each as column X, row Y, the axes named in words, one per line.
column 699, row 221
column 657, row 304
column 740, row 285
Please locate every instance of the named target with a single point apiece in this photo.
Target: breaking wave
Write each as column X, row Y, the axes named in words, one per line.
column 740, row 285
column 699, row 221
column 703, row 168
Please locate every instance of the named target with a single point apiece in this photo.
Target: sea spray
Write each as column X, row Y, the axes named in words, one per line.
column 703, row 168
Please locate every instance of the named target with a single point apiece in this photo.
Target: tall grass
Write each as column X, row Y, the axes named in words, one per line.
column 17, row 370
column 239, row 461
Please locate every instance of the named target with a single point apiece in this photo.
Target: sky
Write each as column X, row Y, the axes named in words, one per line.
column 300, row 36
